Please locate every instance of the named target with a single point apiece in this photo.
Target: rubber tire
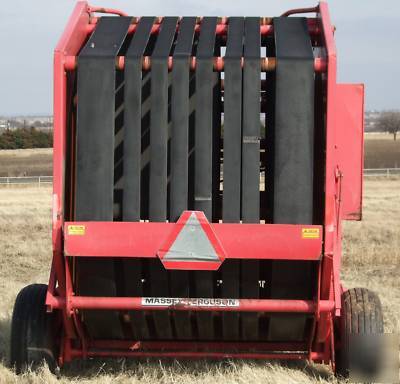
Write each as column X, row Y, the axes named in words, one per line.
column 32, row 331
column 361, row 315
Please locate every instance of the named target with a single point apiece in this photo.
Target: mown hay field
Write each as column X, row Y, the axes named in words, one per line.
column 371, row 259
column 381, row 151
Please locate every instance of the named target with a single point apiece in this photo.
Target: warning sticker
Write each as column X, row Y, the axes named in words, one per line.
column 176, row 301
column 76, row 230
column 310, row 233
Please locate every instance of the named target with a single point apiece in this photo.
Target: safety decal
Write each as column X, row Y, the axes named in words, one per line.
column 76, row 230
column 310, row 233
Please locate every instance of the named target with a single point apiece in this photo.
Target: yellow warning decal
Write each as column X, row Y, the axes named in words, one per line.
column 310, row 233
column 76, row 230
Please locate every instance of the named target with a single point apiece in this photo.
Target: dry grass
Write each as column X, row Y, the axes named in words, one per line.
column 372, row 259
column 26, row 162
column 381, row 151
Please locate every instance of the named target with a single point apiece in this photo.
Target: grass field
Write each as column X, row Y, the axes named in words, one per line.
column 371, row 259
column 380, row 152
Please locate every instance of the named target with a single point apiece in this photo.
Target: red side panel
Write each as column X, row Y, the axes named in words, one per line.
column 239, row 241
column 350, row 147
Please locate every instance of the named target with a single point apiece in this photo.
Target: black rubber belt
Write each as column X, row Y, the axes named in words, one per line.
column 132, row 119
column 232, row 162
column 205, row 82
column 251, row 164
column 180, row 155
column 95, row 159
column 95, row 120
column 180, row 118
column 132, row 269
column 233, row 120
column 159, row 120
column 158, row 159
column 293, row 160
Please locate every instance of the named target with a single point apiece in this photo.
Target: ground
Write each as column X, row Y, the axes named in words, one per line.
column 371, row 259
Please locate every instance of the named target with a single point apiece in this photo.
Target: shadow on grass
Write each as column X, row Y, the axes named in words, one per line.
column 5, row 331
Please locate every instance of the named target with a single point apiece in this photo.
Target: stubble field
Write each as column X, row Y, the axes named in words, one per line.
column 371, row 259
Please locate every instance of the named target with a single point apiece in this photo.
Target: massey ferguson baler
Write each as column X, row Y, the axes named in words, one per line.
column 202, row 170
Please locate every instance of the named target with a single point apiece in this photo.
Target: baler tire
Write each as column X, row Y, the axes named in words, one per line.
column 361, row 315
column 33, row 339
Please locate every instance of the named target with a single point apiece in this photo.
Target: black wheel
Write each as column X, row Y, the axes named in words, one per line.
column 361, row 323
column 33, row 336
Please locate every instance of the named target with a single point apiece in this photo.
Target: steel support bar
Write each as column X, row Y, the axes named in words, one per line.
column 268, row 64
column 221, row 29
column 243, row 305
column 75, row 353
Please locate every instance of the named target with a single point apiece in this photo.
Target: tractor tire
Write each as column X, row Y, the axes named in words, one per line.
column 33, row 336
column 361, row 315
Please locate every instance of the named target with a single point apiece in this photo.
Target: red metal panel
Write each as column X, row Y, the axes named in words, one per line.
column 239, row 241
column 349, row 144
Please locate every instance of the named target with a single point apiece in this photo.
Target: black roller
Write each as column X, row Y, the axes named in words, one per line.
column 232, row 162
column 293, row 161
column 94, row 194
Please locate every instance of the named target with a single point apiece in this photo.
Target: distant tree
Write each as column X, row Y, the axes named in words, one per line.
column 25, row 138
column 389, row 121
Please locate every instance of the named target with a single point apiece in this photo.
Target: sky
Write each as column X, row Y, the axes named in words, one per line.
column 367, row 38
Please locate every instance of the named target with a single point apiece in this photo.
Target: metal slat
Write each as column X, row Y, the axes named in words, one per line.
column 159, row 120
column 293, row 159
column 251, row 164
column 159, row 157
column 180, row 156
column 132, row 119
column 232, row 162
column 205, row 81
column 95, row 130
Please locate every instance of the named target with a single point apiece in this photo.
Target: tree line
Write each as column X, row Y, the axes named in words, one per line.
column 22, row 138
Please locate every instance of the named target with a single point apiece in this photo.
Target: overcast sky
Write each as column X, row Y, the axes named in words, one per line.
column 367, row 38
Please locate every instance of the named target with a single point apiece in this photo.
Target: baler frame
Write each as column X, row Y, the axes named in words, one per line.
column 104, row 239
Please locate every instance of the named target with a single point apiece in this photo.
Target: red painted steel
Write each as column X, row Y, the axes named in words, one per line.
column 221, row 28
column 244, row 305
column 350, row 148
column 76, row 353
column 236, row 346
column 267, row 63
column 239, row 241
